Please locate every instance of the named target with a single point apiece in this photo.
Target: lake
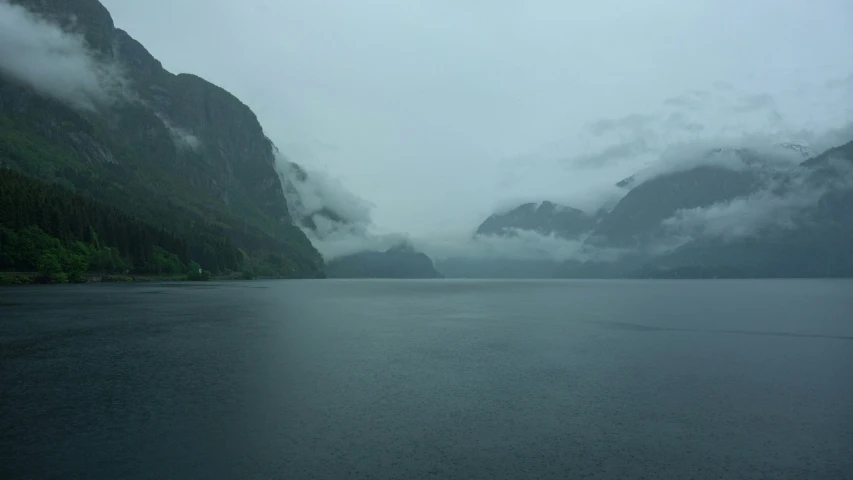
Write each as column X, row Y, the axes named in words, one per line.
column 438, row 379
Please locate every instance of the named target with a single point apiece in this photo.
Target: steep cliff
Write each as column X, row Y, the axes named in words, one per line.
column 174, row 149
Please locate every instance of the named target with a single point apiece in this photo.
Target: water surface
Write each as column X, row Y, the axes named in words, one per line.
column 428, row 379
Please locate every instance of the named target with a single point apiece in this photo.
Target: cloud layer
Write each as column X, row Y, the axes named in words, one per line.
column 337, row 222
column 183, row 138
column 56, row 63
column 744, row 216
column 439, row 111
column 522, row 245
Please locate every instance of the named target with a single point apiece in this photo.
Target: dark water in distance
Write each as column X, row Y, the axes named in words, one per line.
column 428, row 379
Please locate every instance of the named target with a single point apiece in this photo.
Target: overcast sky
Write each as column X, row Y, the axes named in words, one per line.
column 439, row 111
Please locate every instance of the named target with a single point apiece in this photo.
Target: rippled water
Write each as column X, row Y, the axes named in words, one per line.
column 428, row 379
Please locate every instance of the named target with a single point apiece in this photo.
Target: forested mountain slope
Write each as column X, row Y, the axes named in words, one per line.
column 172, row 150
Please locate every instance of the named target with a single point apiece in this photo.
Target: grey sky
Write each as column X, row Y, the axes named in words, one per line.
column 437, row 111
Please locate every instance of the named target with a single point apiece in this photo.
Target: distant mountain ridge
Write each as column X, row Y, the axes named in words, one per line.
column 636, row 218
column 402, row 261
column 808, row 230
column 191, row 162
column 545, row 218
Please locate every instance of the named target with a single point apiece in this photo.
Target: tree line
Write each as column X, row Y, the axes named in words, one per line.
column 79, row 232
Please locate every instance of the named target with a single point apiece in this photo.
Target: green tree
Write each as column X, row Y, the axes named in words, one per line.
column 49, row 267
column 77, row 267
column 248, row 274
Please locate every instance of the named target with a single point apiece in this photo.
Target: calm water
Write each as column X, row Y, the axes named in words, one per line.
column 433, row 379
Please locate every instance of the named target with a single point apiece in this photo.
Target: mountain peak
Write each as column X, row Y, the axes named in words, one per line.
column 543, row 218
column 175, row 150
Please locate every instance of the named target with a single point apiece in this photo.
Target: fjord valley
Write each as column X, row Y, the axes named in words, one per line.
column 426, row 240
column 112, row 165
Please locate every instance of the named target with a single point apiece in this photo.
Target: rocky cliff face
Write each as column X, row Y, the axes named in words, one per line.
column 176, row 140
column 87, row 17
column 182, row 122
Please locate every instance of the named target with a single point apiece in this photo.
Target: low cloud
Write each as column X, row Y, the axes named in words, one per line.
column 778, row 206
column 56, row 63
column 590, row 198
column 751, row 103
column 183, row 139
column 830, row 138
column 312, row 193
column 340, row 243
column 613, row 153
column 693, row 100
column 680, row 132
column 678, row 121
column 845, row 83
column 741, row 217
column 611, row 142
column 520, row 245
column 629, row 123
column 738, row 154
column 337, row 221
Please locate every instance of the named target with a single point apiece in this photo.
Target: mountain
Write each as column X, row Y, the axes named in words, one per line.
column 398, row 262
column 812, row 236
column 545, row 218
column 636, row 219
column 736, row 213
column 48, row 229
column 722, row 175
column 834, row 167
column 174, row 150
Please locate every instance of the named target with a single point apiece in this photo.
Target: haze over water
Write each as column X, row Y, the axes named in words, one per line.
column 429, row 379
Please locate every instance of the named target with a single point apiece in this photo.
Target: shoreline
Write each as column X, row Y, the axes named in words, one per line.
column 9, row 279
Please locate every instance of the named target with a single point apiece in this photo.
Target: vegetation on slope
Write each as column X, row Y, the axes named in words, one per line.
column 178, row 153
column 61, row 235
column 398, row 262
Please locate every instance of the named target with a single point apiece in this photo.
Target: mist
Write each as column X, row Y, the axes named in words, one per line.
column 522, row 245
column 182, row 138
column 337, row 221
column 745, row 216
column 54, row 62
column 416, row 124
column 439, row 113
